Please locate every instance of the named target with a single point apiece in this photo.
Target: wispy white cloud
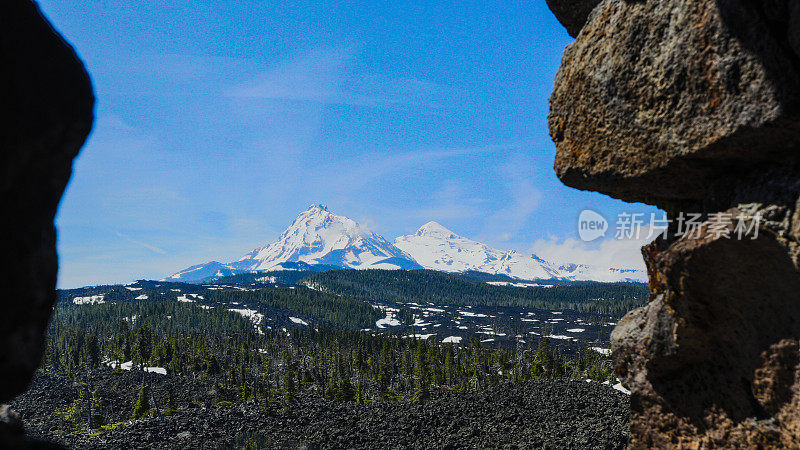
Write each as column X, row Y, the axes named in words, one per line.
column 313, row 76
column 610, row 252
column 324, row 75
column 452, row 202
column 366, row 169
column 150, row 247
column 523, row 199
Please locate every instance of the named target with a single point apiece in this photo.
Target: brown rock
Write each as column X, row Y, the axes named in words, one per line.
column 573, row 14
column 668, row 101
column 713, row 359
column 48, row 109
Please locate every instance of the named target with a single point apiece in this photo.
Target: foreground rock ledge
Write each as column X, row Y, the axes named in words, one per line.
column 48, row 110
column 665, row 101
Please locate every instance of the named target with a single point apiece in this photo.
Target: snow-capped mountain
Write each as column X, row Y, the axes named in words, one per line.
column 202, row 271
column 316, row 237
column 435, row 247
column 583, row 272
column 319, row 238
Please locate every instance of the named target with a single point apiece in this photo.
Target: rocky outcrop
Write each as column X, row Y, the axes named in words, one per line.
column 48, row 111
column 712, row 359
column 665, row 101
column 573, row 14
column 693, row 106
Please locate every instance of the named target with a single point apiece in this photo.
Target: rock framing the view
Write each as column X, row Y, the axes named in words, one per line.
column 671, row 102
column 693, row 107
column 48, row 104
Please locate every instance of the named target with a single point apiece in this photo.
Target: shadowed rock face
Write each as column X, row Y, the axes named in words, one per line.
column 693, row 106
column 47, row 105
column 712, row 358
column 573, row 14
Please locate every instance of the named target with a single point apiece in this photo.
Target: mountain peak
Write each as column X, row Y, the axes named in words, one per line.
column 321, row 238
column 318, row 236
column 434, row 229
column 317, row 207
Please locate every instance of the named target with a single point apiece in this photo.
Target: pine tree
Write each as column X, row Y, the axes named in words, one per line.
column 97, row 417
column 421, row 372
column 289, row 389
column 346, row 391
column 93, row 350
column 142, row 406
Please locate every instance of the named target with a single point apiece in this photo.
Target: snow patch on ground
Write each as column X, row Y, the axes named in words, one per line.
column 298, row 321
column 389, row 320
column 452, row 340
column 254, row 316
column 420, row 323
column 128, row 365
column 621, row 388
column 420, row 336
column 601, row 350
column 471, row 314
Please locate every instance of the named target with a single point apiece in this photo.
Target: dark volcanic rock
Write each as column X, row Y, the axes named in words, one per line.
column 573, row 14
column 666, row 101
column 536, row 414
column 48, row 109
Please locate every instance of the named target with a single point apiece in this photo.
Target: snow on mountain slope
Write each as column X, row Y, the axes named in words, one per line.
column 583, row 272
column 316, row 237
column 435, row 247
column 319, row 237
column 201, row 271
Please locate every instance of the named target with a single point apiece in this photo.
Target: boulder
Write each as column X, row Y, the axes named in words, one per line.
column 695, row 107
column 713, row 358
column 669, row 102
column 573, row 14
column 48, row 103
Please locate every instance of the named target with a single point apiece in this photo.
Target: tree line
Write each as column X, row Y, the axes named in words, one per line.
column 274, row 368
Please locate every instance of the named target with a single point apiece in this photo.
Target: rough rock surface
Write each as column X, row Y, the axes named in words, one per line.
column 48, row 109
column 713, row 358
column 693, row 106
column 537, row 414
column 671, row 101
column 573, row 14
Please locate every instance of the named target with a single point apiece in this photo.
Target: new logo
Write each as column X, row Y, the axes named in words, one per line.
column 591, row 225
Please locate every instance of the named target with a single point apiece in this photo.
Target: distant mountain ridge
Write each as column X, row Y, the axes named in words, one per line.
column 320, row 239
column 435, row 247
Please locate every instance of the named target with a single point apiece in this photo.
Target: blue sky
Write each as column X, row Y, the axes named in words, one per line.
column 218, row 122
